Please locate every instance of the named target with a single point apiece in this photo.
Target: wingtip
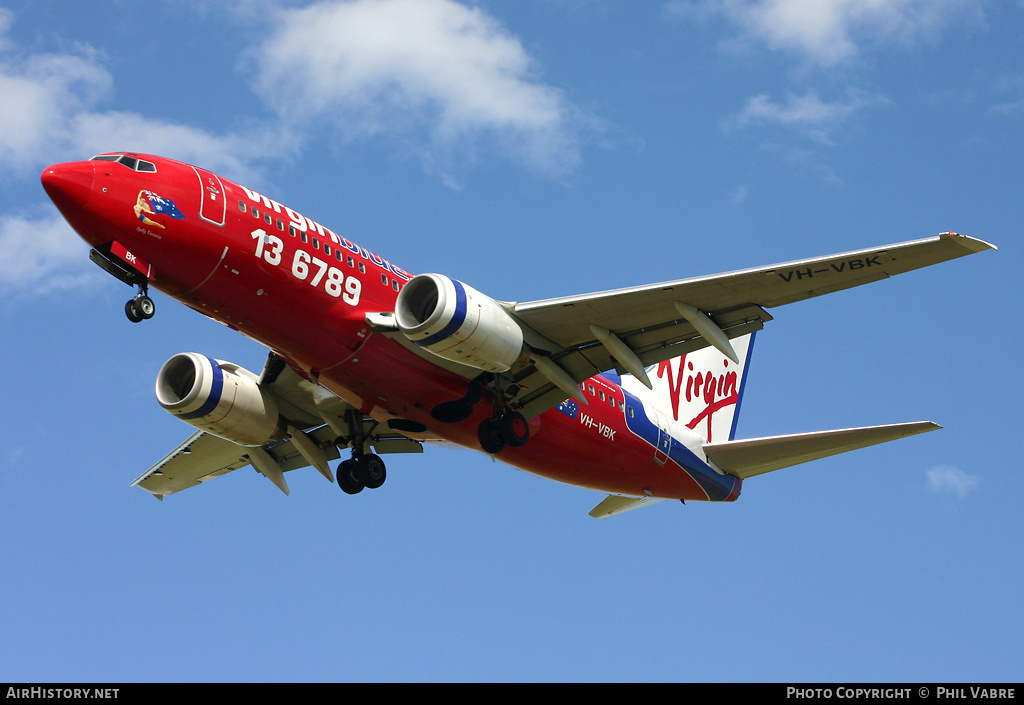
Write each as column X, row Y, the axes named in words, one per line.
column 971, row 243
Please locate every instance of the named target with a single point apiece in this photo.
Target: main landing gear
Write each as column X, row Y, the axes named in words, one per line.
column 505, row 427
column 509, row 428
column 362, row 469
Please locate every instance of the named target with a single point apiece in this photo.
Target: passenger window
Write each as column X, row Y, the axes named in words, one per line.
column 255, row 212
column 280, row 224
column 316, row 244
column 269, row 218
column 242, row 207
column 394, row 284
column 362, row 268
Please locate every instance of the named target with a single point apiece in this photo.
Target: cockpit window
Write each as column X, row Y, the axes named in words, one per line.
column 130, row 162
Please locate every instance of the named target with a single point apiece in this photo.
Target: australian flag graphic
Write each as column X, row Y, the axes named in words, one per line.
column 569, row 407
column 150, row 206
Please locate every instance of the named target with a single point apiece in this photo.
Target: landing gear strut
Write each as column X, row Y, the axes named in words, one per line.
column 505, row 427
column 362, row 469
column 141, row 307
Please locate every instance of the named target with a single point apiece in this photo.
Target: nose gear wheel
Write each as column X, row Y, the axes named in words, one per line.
column 140, row 308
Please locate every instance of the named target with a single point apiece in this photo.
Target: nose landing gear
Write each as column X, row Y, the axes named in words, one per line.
column 141, row 307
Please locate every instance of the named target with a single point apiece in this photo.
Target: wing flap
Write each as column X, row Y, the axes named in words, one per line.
column 756, row 456
column 616, row 504
column 200, row 458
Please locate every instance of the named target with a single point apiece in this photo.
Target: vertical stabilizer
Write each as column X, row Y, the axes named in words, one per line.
column 703, row 389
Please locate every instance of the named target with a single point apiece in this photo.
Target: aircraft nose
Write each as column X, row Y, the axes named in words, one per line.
column 69, row 185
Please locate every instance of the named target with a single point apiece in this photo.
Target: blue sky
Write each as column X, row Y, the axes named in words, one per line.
column 531, row 149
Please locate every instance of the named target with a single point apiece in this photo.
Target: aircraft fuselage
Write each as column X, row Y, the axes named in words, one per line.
column 304, row 291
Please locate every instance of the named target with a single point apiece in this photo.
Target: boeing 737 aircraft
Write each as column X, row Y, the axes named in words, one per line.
column 633, row 392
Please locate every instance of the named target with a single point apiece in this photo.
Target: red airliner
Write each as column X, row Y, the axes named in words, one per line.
column 632, row 392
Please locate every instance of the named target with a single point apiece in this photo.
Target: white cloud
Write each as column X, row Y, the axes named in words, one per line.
column 48, row 90
column 234, row 155
column 56, row 119
column 830, row 32
column 40, row 254
column 443, row 76
column 807, row 114
column 946, row 479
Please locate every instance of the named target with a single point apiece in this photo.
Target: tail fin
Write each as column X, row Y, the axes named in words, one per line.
column 703, row 389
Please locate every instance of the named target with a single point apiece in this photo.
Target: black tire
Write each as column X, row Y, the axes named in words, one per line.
column 514, row 428
column 347, row 483
column 371, row 471
column 490, row 436
column 132, row 311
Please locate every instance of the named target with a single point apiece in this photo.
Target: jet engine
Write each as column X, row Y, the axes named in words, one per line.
column 220, row 398
column 458, row 323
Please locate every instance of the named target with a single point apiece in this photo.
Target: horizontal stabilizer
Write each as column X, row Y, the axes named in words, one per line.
column 615, row 504
column 755, row 456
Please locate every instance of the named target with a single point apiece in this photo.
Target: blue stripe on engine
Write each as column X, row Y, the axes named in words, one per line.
column 453, row 325
column 216, row 390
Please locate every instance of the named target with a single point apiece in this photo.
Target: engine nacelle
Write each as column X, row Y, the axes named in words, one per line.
column 458, row 323
column 220, row 398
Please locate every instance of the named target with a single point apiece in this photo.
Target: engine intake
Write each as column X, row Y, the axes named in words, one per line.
column 220, row 398
column 457, row 322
